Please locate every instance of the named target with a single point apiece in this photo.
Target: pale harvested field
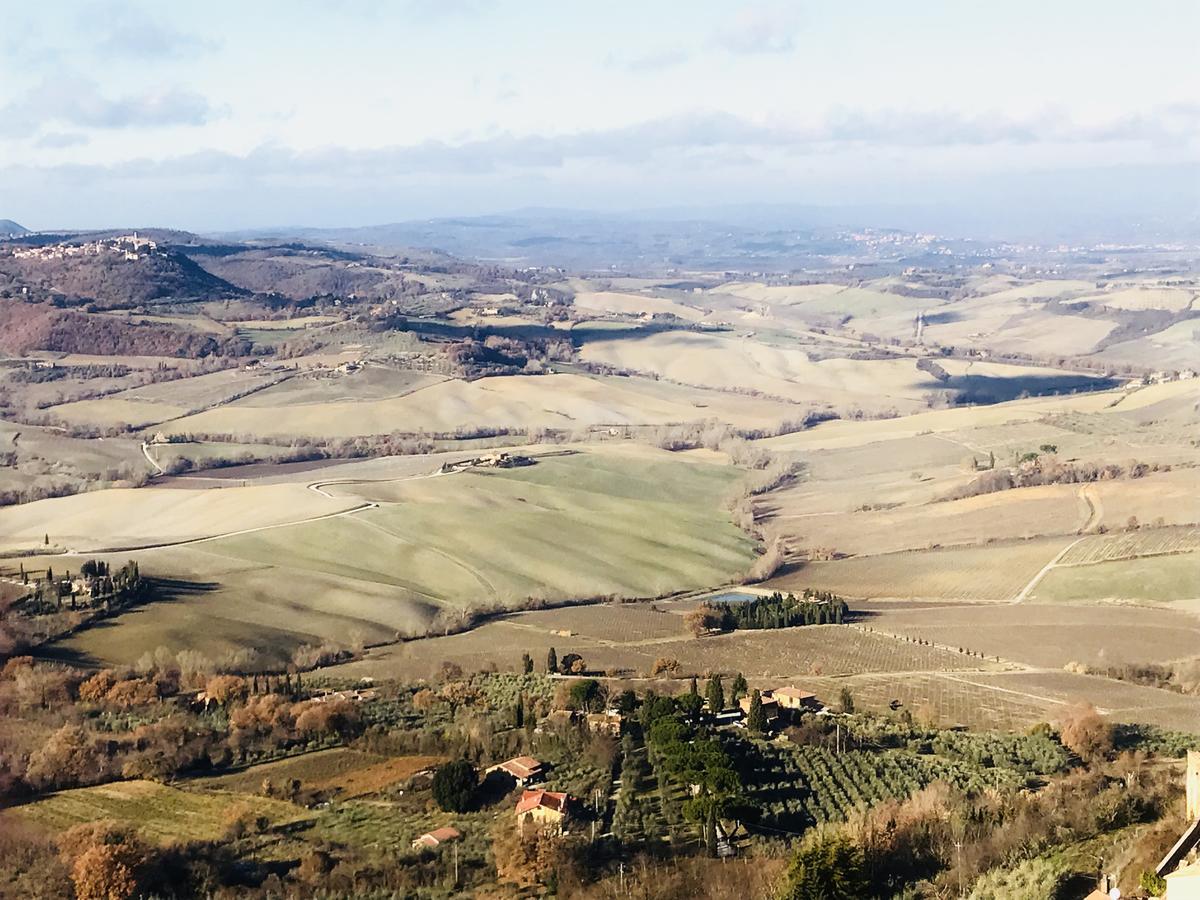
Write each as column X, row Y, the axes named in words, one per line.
column 1044, row 333
column 824, row 299
column 994, row 572
column 721, row 362
column 1017, row 514
column 120, row 518
column 1152, row 579
column 154, row 403
column 369, row 383
column 784, row 653
column 1175, row 347
column 849, row 433
column 634, row 304
column 1052, row 636
column 1011, row 701
column 115, row 411
column 906, row 455
column 947, row 701
column 619, row 622
column 550, row 401
column 1120, row 700
column 1172, row 496
column 1042, row 290
column 1174, row 299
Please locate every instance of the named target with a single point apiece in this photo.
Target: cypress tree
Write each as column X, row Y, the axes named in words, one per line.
column 716, row 695
column 551, row 662
column 756, row 721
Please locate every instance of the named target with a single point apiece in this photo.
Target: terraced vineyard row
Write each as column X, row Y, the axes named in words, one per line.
column 796, row 788
column 1132, row 544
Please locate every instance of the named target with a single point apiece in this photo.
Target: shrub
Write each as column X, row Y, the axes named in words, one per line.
column 454, row 786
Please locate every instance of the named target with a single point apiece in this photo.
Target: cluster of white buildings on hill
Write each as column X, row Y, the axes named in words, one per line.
column 128, row 246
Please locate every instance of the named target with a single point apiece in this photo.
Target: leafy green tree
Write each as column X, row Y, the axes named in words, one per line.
column 739, row 687
column 715, row 694
column 454, row 786
column 551, row 662
column 756, row 721
column 585, row 695
column 826, row 867
column 689, row 705
column 626, row 702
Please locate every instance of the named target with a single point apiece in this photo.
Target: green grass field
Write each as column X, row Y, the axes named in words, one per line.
column 633, row 522
column 1158, row 579
column 160, row 812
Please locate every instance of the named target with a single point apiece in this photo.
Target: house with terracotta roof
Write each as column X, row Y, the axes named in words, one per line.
column 793, row 699
column 770, row 707
column 543, row 809
column 524, row 770
column 437, row 837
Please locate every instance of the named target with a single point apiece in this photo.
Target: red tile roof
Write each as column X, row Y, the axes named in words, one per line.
column 521, row 767
column 438, row 836
column 545, row 799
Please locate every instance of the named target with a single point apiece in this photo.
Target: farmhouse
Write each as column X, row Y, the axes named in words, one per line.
column 438, row 836
column 547, row 810
column 608, row 722
column 522, row 769
column 769, row 705
column 793, row 699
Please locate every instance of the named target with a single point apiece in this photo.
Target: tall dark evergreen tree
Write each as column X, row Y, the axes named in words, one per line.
column 551, row 662
column 715, row 694
column 756, row 721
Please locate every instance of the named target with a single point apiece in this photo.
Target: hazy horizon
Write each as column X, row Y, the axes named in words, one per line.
column 1011, row 123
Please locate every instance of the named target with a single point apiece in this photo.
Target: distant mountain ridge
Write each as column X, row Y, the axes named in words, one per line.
column 9, row 228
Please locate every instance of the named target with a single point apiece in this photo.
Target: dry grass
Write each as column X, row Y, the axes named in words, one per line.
column 1147, row 542
column 549, row 401
column 1042, row 635
column 360, row 782
column 995, row 572
column 160, row 812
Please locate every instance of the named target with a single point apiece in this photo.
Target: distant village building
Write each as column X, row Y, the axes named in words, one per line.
column 545, row 810
column 522, row 769
column 437, row 837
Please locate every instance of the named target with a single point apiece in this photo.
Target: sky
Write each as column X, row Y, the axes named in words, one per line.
column 223, row 115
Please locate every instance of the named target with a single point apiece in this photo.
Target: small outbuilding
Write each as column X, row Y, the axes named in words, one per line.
column 436, row 838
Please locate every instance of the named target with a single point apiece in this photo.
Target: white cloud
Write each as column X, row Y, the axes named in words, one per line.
column 77, row 102
column 761, row 28
column 715, row 137
column 140, row 37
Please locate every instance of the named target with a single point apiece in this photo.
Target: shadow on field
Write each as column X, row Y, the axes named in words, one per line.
column 160, row 590
column 456, row 331
column 983, row 390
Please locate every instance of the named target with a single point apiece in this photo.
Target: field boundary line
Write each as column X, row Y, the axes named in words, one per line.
column 215, row 537
column 1045, row 570
column 1004, row 690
